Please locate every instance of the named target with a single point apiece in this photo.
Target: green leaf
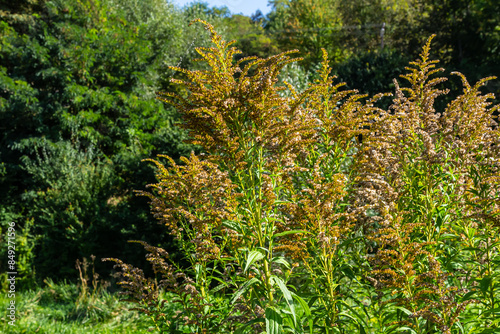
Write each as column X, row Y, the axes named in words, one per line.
column 233, row 226
column 406, row 311
column 253, row 257
column 281, row 260
column 485, row 283
column 489, row 331
column 241, row 330
column 198, row 269
column 347, row 315
column 445, row 236
column 346, row 269
column 359, row 320
column 287, row 295
column 401, row 329
column 312, row 300
column 219, row 287
column 469, row 295
column 495, row 310
column 244, row 288
column 273, row 321
column 418, row 171
column 472, row 249
column 306, row 309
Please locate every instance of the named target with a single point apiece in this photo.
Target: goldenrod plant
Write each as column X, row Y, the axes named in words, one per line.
column 316, row 211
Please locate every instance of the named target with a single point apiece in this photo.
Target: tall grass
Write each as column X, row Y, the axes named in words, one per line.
column 86, row 307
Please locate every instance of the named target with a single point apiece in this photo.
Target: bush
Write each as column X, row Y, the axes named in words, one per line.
column 320, row 212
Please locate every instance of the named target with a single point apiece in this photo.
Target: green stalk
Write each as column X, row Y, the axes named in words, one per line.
column 267, row 271
column 488, row 261
column 257, row 217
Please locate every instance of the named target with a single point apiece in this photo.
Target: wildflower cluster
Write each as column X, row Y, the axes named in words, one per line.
column 318, row 211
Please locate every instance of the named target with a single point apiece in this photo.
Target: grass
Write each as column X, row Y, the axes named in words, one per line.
column 62, row 308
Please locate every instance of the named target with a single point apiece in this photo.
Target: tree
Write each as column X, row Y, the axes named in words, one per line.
column 78, row 114
column 250, row 36
column 307, row 25
column 467, row 36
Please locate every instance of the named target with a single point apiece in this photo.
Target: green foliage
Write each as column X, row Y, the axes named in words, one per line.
column 318, row 212
column 172, row 40
column 250, row 36
column 467, row 33
column 308, row 26
column 344, row 28
column 372, row 72
column 74, row 204
column 78, row 113
column 55, row 308
column 24, row 244
column 467, row 30
column 296, row 76
column 363, row 20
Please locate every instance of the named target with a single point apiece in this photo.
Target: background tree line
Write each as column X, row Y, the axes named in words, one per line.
column 78, row 113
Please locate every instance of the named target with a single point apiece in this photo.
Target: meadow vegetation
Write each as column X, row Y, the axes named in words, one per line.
column 318, row 212
column 89, row 306
column 284, row 199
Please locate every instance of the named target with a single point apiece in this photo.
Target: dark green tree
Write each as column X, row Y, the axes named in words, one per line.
column 78, row 81
column 467, row 36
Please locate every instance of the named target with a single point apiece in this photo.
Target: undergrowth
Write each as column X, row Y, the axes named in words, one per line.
column 86, row 307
